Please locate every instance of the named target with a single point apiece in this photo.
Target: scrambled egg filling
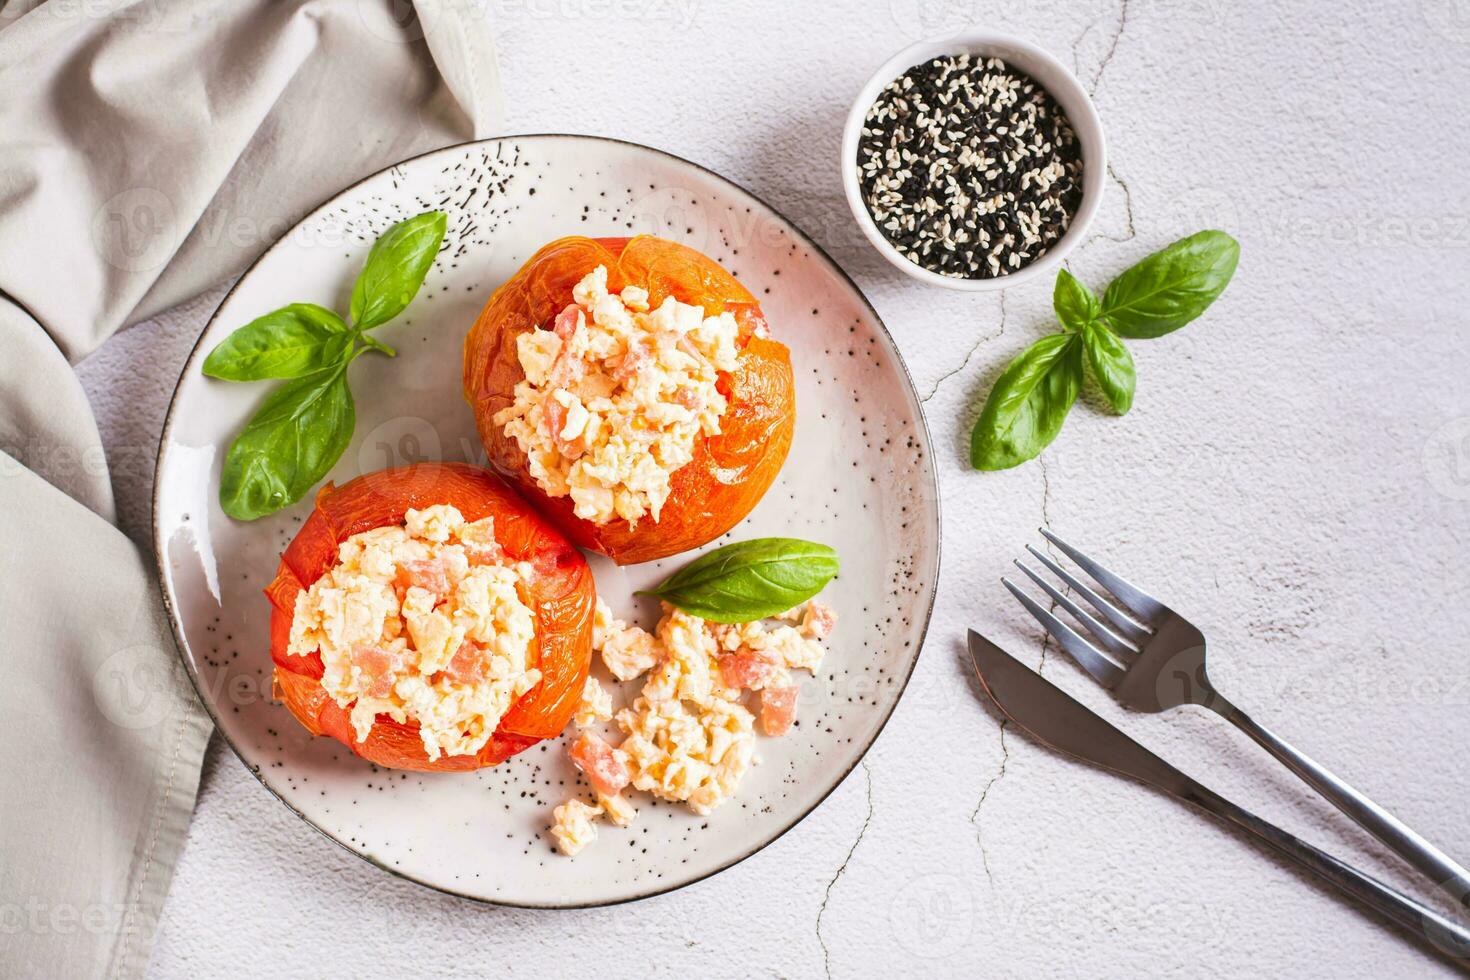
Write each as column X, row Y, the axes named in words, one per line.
column 615, row 396
column 594, row 706
column 422, row 622
column 689, row 736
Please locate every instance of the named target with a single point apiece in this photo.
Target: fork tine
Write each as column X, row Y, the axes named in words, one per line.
column 1139, row 603
column 1088, row 657
column 1121, row 621
column 1109, row 640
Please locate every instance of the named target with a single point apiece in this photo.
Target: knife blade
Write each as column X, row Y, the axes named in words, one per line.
column 1052, row 717
column 1046, row 713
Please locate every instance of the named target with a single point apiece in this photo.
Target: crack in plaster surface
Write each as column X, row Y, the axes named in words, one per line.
column 979, row 343
column 827, row 895
column 1005, row 758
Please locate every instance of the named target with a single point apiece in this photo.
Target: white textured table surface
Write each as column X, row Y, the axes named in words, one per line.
column 1295, row 475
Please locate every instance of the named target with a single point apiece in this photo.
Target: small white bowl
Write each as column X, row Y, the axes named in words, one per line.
column 1046, row 70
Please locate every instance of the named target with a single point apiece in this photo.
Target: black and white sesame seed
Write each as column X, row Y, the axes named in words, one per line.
column 969, row 167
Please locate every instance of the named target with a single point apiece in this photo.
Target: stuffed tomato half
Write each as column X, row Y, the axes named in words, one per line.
column 631, row 388
column 427, row 618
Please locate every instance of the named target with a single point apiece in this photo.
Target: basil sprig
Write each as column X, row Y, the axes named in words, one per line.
column 1028, row 404
column 395, row 269
column 288, row 445
column 749, row 580
column 1030, row 400
column 296, row 340
column 1112, row 365
column 1076, row 305
column 1171, row 287
column 305, row 425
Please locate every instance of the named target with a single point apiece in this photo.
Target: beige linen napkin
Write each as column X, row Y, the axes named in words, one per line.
column 149, row 149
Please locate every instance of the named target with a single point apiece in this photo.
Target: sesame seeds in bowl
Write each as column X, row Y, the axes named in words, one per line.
column 974, row 161
column 969, row 167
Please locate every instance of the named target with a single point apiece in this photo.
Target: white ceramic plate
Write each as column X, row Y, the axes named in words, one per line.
column 860, row 477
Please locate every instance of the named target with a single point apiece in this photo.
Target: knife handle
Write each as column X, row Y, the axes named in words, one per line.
column 1449, row 938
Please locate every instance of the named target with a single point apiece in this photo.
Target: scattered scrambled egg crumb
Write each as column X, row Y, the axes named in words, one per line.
column 617, row 808
column 689, row 737
column 615, row 395
column 424, row 623
column 574, row 828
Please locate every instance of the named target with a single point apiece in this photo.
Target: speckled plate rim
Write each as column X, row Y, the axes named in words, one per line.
column 177, row 626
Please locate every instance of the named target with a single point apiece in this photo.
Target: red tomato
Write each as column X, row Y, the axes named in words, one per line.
column 729, row 473
column 560, row 593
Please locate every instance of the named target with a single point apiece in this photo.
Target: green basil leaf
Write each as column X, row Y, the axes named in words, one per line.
column 1172, row 286
column 1076, row 305
column 395, row 269
column 290, row 443
column 749, row 580
column 1111, row 364
column 1028, row 404
column 296, row 340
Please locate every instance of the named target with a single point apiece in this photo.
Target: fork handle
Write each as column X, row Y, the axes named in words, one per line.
column 1438, row 866
column 1449, row 938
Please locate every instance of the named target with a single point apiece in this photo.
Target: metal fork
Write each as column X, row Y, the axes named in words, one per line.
column 1153, row 659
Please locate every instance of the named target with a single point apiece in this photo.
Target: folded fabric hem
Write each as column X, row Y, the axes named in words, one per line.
column 172, row 815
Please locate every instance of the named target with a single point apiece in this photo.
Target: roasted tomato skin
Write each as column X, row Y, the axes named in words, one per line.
column 561, row 593
column 729, row 473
